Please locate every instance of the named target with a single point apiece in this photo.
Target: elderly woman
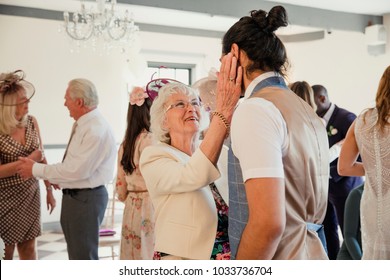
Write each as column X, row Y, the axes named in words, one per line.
column 179, row 173
column 20, row 206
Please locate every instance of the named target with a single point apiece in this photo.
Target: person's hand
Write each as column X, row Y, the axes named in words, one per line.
column 36, row 155
column 50, row 201
column 48, row 184
column 228, row 86
column 55, row 186
column 24, row 169
column 341, row 142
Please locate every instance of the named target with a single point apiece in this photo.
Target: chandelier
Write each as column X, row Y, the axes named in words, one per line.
column 105, row 26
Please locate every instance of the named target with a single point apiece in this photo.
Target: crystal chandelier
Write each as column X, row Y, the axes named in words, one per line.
column 105, row 26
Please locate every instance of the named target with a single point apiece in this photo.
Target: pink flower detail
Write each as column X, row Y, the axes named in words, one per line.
column 137, row 96
column 223, row 256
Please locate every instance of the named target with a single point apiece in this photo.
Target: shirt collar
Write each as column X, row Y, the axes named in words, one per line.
column 86, row 117
column 329, row 113
column 257, row 80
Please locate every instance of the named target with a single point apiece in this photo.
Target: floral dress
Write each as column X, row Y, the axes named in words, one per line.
column 221, row 250
column 137, row 242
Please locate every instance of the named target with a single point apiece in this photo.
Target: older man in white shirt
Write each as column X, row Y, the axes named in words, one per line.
column 87, row 166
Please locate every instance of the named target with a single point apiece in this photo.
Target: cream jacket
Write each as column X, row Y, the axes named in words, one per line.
column 185, row 211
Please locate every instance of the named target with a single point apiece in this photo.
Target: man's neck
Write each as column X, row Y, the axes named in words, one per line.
column 323, row 112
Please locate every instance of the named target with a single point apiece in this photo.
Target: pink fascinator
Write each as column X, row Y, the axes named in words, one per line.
column 137, row 96
column 154, row 86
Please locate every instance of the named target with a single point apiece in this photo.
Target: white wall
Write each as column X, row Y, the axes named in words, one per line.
column 36, row 46
column 340, row 62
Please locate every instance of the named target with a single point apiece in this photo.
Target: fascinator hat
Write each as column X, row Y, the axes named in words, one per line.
column 137, row 96
column 11, row 83
column 154, row 86
column 207, row 88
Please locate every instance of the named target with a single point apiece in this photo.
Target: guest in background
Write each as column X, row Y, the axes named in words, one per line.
column 20, row 210
column 351, row 249
column 278, row 172
column 207, row 89
column 138, row 220
column 87, row 166
column 191, row 216
column 369, row 136
column 304, row 91
column 337, row 120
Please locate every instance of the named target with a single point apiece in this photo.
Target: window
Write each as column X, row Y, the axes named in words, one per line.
column 179, row 72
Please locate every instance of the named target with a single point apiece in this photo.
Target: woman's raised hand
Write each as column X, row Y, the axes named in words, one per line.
column 229, row 86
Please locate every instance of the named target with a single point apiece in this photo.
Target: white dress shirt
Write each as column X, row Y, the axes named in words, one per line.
column 329, row 113
column 90, row 157
column 264, row 127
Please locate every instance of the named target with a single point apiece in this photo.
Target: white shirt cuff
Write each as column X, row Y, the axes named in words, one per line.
column 38, row 170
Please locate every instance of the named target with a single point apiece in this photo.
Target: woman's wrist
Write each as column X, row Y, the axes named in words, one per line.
column 42, row 156
column 222, row 119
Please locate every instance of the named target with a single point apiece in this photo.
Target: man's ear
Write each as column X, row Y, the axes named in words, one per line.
column 241, row 56
column 235, row 50
column 80, row 102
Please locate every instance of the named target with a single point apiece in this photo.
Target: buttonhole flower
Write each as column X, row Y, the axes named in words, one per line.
column 332, row 131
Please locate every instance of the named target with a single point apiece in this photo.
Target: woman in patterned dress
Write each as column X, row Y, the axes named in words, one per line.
column 369, row 136
column 20, row 213
column 138, row 223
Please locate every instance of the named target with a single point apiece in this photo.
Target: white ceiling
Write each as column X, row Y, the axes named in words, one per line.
column 370, row 7
column 204, row 21
column 367, row 7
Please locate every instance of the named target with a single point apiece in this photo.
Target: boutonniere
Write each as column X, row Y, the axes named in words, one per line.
column 332, row 131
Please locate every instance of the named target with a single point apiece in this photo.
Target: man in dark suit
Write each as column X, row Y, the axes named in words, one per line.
column 338, row 121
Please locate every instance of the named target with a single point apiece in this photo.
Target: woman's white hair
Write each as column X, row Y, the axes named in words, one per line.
column 84, row 89
column 159, row 107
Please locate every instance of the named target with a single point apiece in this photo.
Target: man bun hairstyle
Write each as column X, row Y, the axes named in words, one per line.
column 255, row 35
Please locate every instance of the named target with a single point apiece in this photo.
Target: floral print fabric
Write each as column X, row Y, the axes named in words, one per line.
column 137, row 242
column 221, row 250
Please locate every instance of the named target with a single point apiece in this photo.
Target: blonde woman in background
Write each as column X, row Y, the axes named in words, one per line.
column 304, row 91
column 20, row 210
column 369, row 136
